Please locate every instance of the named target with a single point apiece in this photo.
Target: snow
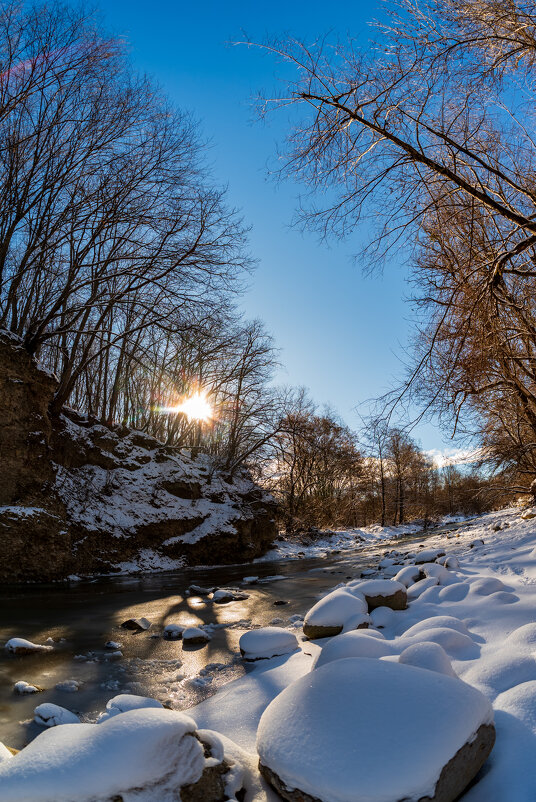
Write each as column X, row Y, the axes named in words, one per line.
column 225, row 595
column 124, row 702
column 68, row 685
column 5, row 754
column 336, row 609
column 329, row 733
column 484, row 622
column 428, row 555
column 49, row 715
column 195, row 635
column 173, row 631
column 23, row 687
column 22, row 646
column 376, row 587
column 428, row 655
column 490, row 644
column 408, row 576
column 353, row 644
column 140, row 754
column 267, row 642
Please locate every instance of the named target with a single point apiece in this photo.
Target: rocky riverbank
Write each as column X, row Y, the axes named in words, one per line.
column 78, row 497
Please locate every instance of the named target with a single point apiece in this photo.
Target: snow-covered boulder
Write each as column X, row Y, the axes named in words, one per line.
column 127, row 701
column 443, row 576
column 5, row 753
column 136, row 624
column 335, row 734
column 419, row 587
column 476, row 544
column 428, row 556
column 49, row 715
column 428, row 655
column 409, row 575
column 68, row 686
column 194, row 636
column 173, row 631
column 226, row 595
column 21, row 687
column 23, row 646
column 382, row 617
column 329, row 616
column 457, row 645
column 259, row 644
column 451, row 562
column 381, row 593
column 142, row 755
column 448, row 621
column 353, row 644
column 198, row 590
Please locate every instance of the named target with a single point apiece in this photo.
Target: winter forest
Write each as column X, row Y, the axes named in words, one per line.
column 217, row 583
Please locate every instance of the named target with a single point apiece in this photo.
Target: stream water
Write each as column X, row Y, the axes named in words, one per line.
column 83, row 616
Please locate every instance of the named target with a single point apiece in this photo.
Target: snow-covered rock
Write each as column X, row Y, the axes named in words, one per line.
column 142, row 755
column 68, row 685
column 195, row 635
column 5, row 753
column 382, row 617
column 335, row 734
column 428, row 555
column 23, row 646
column 49, row 715
column 127, row 701
column 409, row 575
column 428, row 655
column 419, row 587
column 112, row 644
column 267, row 642
column 226, row 595
column 353, row 644
column 173, row 631
column 21, row 687
column 381, row 593
column 329, row 616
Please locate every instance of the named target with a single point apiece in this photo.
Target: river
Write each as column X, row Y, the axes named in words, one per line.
column 81, row 617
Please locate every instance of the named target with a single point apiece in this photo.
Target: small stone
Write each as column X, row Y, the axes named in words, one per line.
column 136, row 624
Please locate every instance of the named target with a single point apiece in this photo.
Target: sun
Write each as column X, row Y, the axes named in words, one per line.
column 196, row 407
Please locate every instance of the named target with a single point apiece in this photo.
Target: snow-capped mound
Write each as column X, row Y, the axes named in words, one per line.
column 145, row 755
column 353, row 644
column 335, row 734
column 23, row 646
column 127, row 701
column 329, row 616
column 267, row 642
column 49, row 715
column 428, row 655
column 381, row 593
column 409, row 575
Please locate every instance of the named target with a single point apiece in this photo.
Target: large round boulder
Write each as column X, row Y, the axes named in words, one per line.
column 338, row 610
column 381, row 593
column 143, row 754
column 361, row 730
column 261, row 644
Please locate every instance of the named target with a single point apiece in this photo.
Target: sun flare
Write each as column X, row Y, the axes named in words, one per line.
column 196, row 407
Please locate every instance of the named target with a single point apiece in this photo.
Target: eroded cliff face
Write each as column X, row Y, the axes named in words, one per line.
column 77, row 497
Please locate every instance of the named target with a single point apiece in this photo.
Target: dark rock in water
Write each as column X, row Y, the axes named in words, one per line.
column 136, row 624
column 280, row 603
column 81, row 497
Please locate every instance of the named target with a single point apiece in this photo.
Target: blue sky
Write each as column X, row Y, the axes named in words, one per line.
column 341, row 334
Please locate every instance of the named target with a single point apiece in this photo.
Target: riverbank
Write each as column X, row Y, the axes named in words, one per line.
column 492, row 594
column 479, row 611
